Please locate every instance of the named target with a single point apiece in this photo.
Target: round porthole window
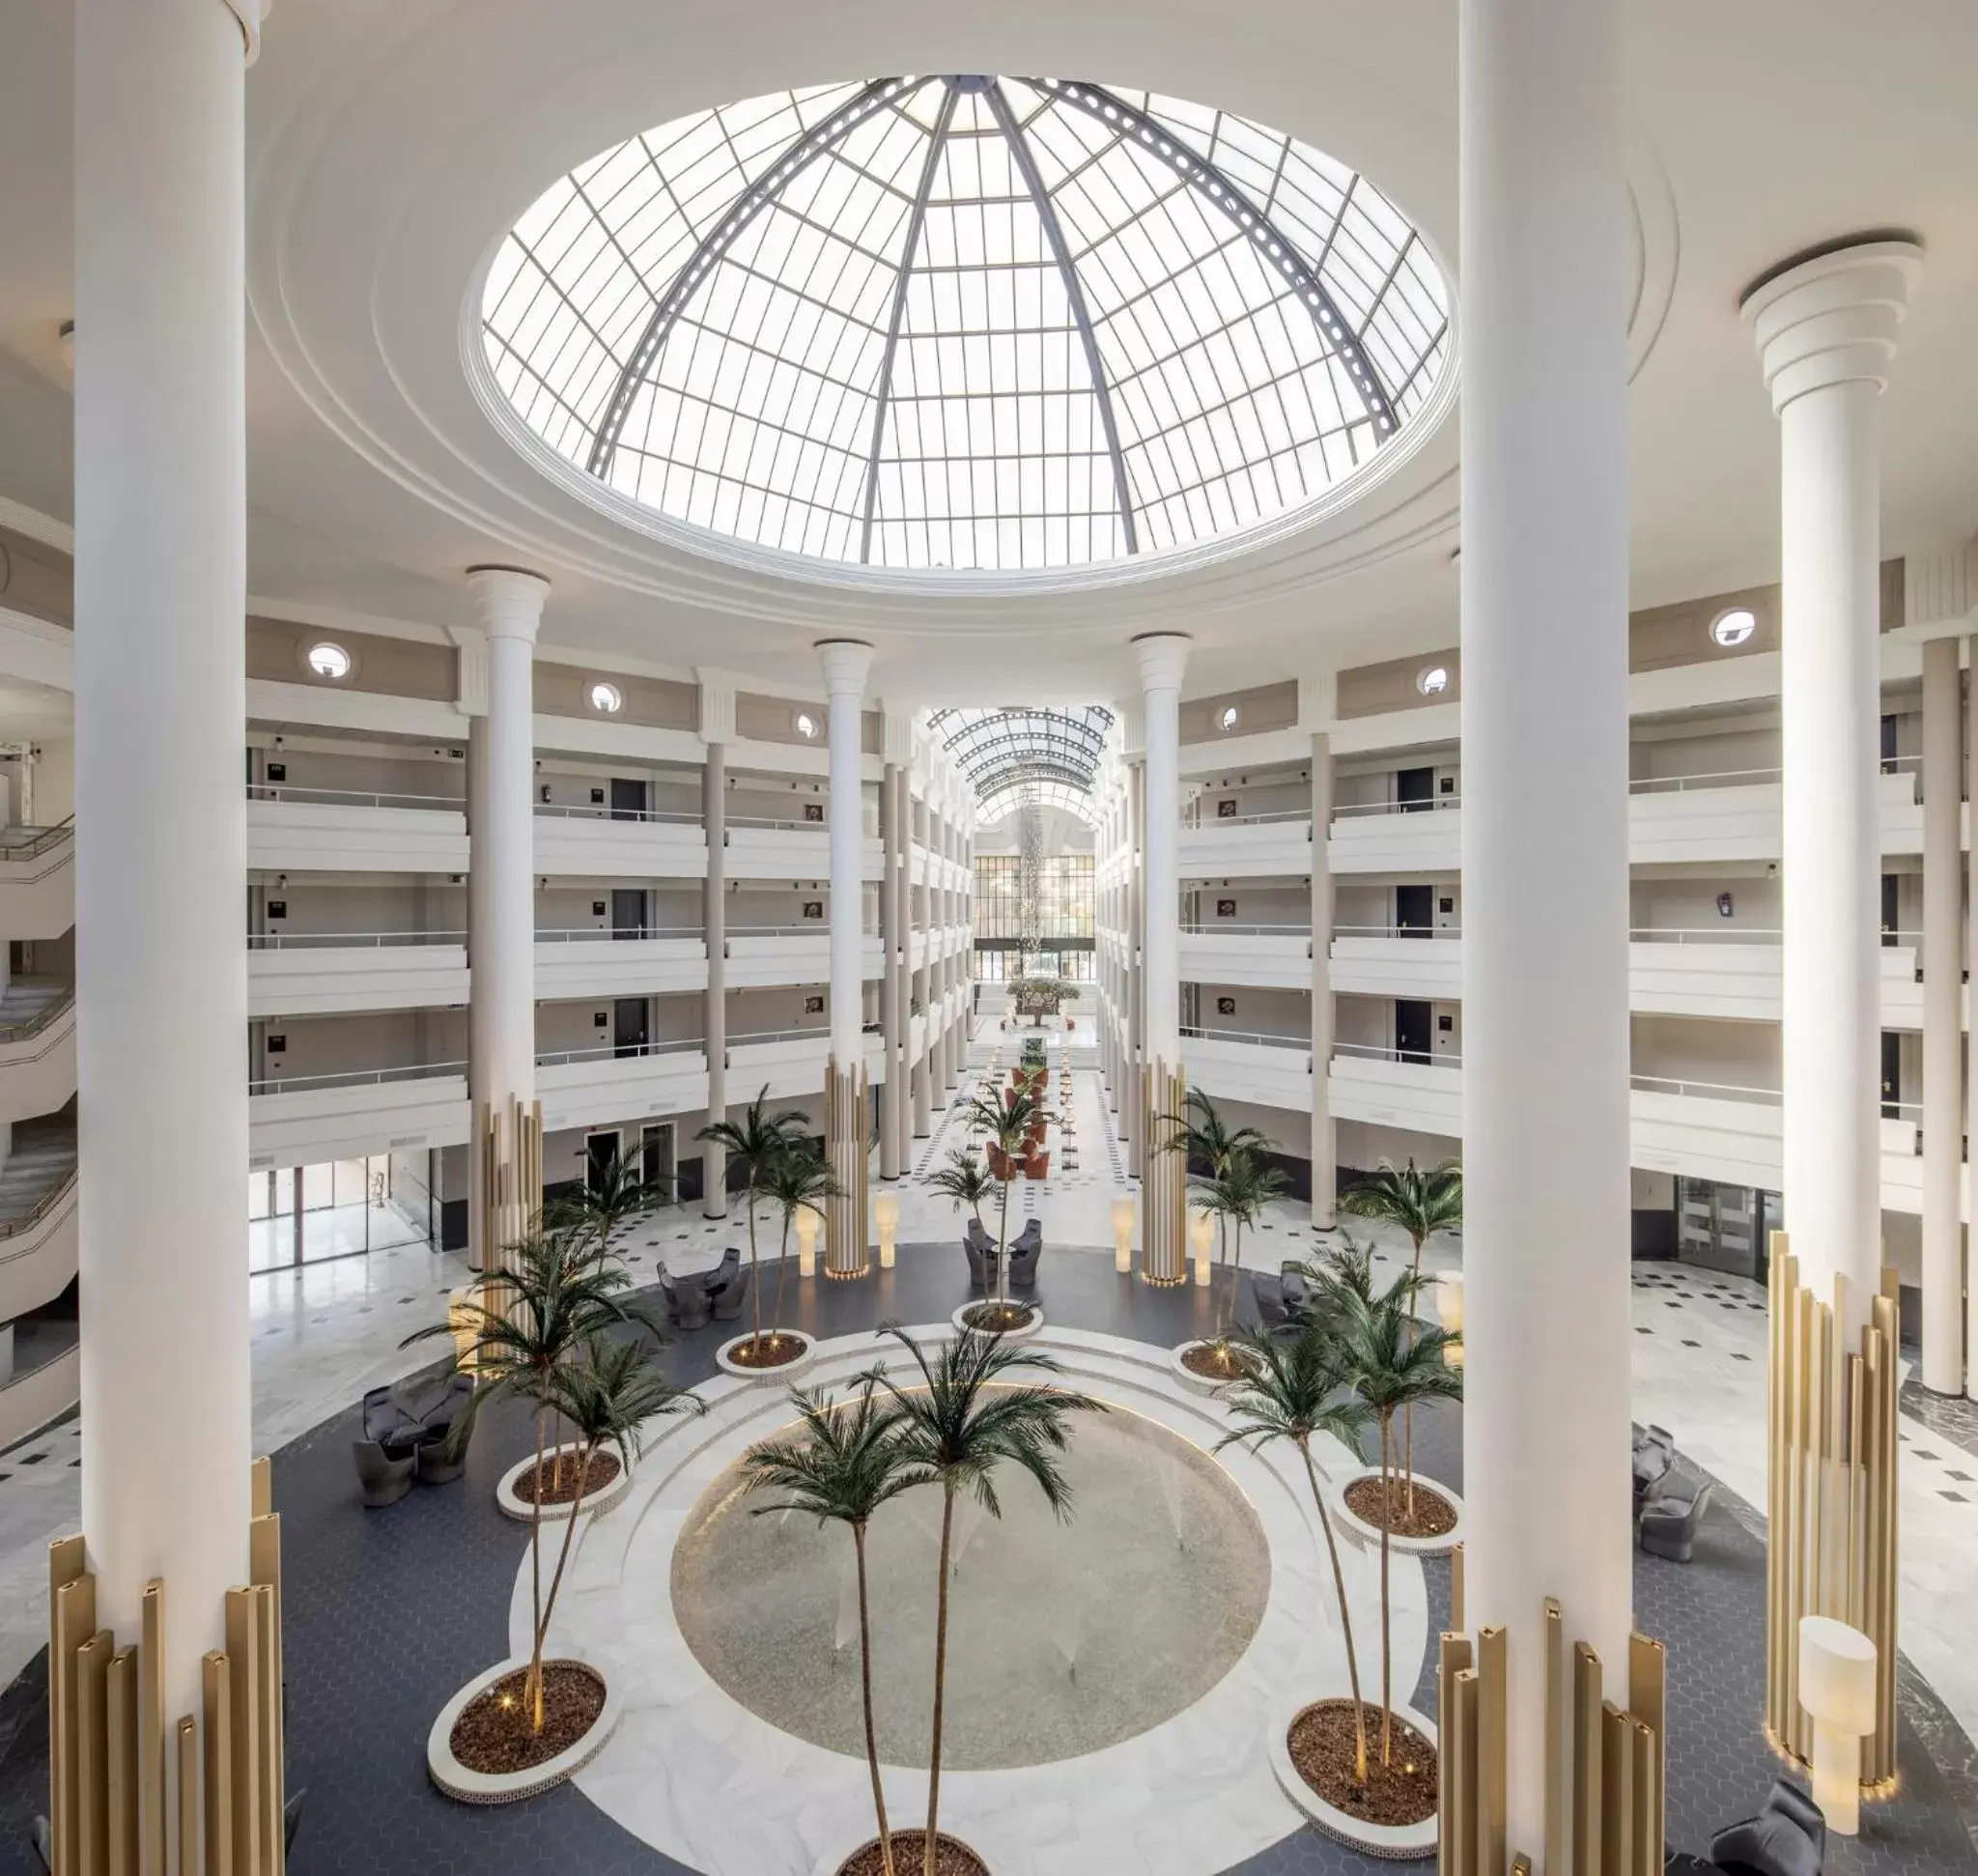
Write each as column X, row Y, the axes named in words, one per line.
column 605, row 699
column 1733, row 628
column 328, row 660
column 1230, row 717
column 1432, row 681
column 805, row 724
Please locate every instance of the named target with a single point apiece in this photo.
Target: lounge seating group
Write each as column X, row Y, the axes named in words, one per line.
column 1666, row 1520
column 1025, row 1250
column 717, row 1293
column 407, row 1433
column 1278, row 1298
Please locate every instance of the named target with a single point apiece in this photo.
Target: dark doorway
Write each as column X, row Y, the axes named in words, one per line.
column 1414, row 910
column 1891, row 903
column 628, row 799
column 600, row 1151
column 630, row 1033
column 1889, row 745
column 1414, row 1025
column 628, row 912
column 1891, row 1075
column 655, row 1158
column 1415, row 789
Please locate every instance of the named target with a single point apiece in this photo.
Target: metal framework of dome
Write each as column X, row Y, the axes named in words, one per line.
column 1024, row 756
column 964, row 320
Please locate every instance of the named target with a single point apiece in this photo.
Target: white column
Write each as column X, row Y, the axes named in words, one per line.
column 1545, row 733
column 897, row 1064
column 160, row 698
column 1944, row 1077
column 1163, row 658
column 503, row 1025
column 1825, row 330
column 1324, row 1157
column 713, row 818
column 845, row 663
column 1971, row 1050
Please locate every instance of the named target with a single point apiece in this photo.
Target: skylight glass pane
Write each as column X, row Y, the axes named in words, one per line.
column 973, row 323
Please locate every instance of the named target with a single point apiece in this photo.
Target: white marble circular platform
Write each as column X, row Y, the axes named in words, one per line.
column 698, row 1776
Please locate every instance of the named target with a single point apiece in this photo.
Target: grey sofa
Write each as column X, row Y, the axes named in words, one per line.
column 1654, row 1453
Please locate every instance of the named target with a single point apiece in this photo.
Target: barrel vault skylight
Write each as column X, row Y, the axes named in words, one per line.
column 1025, row 756
column 966, row 322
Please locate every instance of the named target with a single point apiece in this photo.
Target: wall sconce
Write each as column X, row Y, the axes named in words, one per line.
column 1724, row 906
column 886, row 1215
column 1449, row 1312
column 807, row 1242
column 1123, row 1234
column 1201, row 1234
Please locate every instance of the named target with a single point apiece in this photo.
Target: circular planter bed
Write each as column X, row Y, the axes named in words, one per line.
column 1032, row 1321
column 1438, row 1524
column 475, row 1728
column 608, row 1485
column 786, row 1355
column 1315, row 1742
column 1194, row 1365
column 951, row 1856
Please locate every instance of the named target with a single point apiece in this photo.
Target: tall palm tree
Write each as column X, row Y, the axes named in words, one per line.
column 963, row 1180
column 1208, row 1147
column 605, row 1395
column 1235, row 1198
column 1003, row 1121
column 754, row 1144
column 1421, row 1204
column 849, row 1461
column 611, row 1197
column 528, row 1324
column 1295, row 1388
column 801, row 1180
column 958, row 1423
column 1390, row 1365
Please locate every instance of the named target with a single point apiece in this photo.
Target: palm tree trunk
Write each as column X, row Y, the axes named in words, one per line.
column 1222, row 1264
column 1387, row 1698
column 1408, row 1411
column 1002, row 1248
column 775, row 1326
column 1235, row 1272
column 1325, row 1524
column 548, row 1605
column 940, row 1682
column 754, row 1285
column 866, row 1687
column 532, row 1682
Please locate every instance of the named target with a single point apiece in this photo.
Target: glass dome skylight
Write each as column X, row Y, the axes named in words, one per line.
column 965, row 321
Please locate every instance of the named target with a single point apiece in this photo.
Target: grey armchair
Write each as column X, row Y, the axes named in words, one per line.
column 1024, row 1255
column 728, row 1286
column 1787, row 1838
column 982, row 1260
column 1278, row 1298
column 1669, row 1524
column 687, row 1300
column 384, row 1477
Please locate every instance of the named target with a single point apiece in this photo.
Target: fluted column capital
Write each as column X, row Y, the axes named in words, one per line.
column 1831, row 318
column 510, row 600
column 846, row 662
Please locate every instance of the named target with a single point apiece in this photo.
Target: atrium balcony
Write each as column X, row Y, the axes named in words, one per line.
column 38, row 880
column 37, row 1048
column 304, row 1119
column 37, row 1239
column 600, row 1085
column 334, row 973
column 596, row 843
column 1274, row 955
column 347, row 830
column 1265, row 846
column 635, row 961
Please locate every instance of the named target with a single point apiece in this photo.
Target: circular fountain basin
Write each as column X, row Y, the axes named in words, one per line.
column 1066, row 1637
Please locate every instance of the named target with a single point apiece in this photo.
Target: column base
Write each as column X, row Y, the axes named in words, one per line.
column 1604, row 1773
column 846, row 1149
column 1832, row 1499
column 115, row 1752
column 1163, row 1175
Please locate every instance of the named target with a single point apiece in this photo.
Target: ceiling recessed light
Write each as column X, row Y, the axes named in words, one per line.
column 1733, row 628
column 329, row 659
column 805, row 724
column 1432, row 680
column 605, row 699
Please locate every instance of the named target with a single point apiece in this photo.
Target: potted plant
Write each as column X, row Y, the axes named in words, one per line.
column 1421, row 1204
column 963, row 1180
column 960, row 1421
column 1234, row 1180
column 528, row 1724
column 753, row 1145
column 848, row 1462
column 796, row 1181
column 1005, row 1124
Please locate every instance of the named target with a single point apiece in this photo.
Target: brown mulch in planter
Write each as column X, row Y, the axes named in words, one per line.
column 559, row 1488
column 1403, row 1791
column 1433, row 1514
column 952, row 1858
column 1214, row 1361
column 493, row 1734
column 772, row 1351
column 999, row 1318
